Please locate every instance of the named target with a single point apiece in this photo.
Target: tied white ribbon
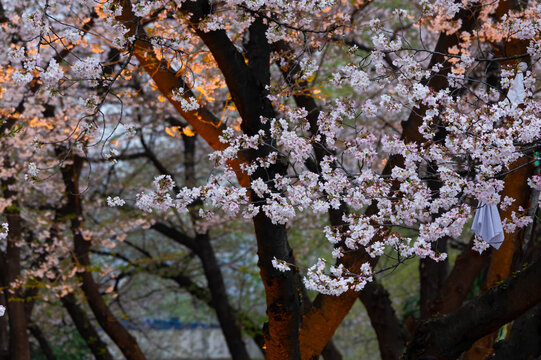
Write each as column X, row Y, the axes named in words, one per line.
column 517, row 93
column 488, row 224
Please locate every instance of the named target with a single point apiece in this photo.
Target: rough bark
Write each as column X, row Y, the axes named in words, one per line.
column 447, row 336
column 391, row 334
column 524, row 339
column 109, row 323
column 19, row 348
column 85, row 328
column 460, row 281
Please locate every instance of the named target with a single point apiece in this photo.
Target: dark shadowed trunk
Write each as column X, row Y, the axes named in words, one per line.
column 85, row 328
column 46, row 349
column 109, row 323
column 524, row 340
column 19, row 348
column 447, row 336
column 391, row 334
column 460, row 281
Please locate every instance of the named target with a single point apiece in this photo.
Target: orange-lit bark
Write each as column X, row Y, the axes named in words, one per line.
column 460, row 281
column 204, row 123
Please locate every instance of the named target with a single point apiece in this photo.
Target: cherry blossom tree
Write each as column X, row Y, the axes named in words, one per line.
column 391, row 126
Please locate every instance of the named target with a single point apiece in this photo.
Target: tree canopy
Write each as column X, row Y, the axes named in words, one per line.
column 273, row 161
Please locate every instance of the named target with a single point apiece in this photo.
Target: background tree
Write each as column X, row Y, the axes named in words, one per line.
column 185, row 142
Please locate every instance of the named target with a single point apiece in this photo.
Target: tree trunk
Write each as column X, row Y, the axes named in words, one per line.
column 19, row 348
column 459, row 283
column 446, row 337
column 391, row 334
column 85, row 328
column 43, row 343
column 125, row 341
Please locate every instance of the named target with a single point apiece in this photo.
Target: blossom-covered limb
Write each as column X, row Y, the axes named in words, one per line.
column 331, row 310
column 203, row 121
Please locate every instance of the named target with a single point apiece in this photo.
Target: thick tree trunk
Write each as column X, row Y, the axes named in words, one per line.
column 19, row 348
column 459, row 283
column 447, row 336
column 85, row 328
column 283, row 306
column 391, row 334
column 247, row 82
column 525, row 339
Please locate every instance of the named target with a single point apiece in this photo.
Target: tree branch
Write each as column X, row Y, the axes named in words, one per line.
column 447, row 336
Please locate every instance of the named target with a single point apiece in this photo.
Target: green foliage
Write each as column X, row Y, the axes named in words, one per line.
column 412, row 307
column 66, row 345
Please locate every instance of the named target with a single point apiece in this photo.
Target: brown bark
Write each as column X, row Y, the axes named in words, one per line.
column 19, row 348
column 166, row 79
column 85, row 328
column 446, row 337
column 124, row 340
column 460, row 281
column 391, row 334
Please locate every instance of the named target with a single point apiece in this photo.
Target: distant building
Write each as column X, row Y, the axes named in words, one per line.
column 176, row 340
